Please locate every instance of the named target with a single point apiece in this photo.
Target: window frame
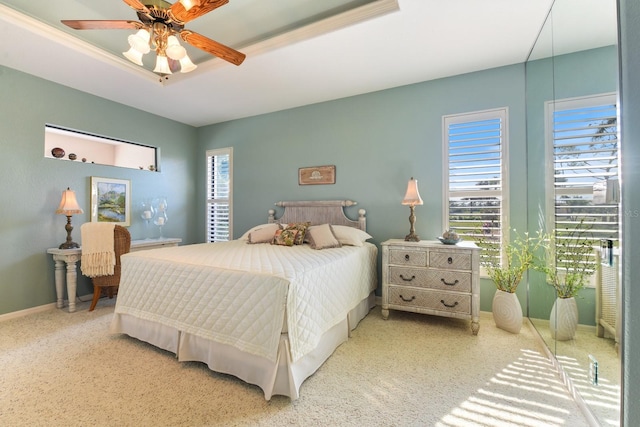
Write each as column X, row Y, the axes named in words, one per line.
column 565, row 104
column 228, row 151
column 501, row 113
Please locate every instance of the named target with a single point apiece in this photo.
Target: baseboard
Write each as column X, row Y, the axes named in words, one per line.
column 577, row 397
column 41, row 308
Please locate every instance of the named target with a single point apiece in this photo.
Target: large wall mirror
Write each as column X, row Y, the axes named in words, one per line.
column 78, row 146
column 572, row 147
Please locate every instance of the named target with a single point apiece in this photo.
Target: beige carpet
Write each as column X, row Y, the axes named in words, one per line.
column 62, row 369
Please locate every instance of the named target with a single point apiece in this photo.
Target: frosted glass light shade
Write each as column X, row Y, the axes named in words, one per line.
column 186, row 65
column 188, row 4
column 174, row 50
column 134, row 56
column 162, row 65
column 140, row 41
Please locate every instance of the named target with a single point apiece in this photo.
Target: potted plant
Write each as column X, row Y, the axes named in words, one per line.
column 572, row 250
column 506, row 273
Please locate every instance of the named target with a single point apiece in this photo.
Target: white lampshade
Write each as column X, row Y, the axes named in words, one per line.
column 68, row 204
column 412, row 197
column 162, row 65
column 134, row 56
column 174, row 50
column 140, row 41
column 186, row 65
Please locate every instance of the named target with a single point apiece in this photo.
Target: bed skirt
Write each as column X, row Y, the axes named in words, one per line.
column 283, row 377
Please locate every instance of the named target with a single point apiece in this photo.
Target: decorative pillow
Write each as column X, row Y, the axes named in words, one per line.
column 285, row 237
column 264, row 234
column 301, row 227
column 322, row 237
column 273, row 226
column 350, row 236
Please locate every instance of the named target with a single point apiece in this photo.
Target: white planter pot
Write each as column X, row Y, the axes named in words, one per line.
column 507, row 312
column 564, row 319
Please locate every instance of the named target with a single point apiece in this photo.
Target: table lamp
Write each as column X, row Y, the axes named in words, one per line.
column 412, row 198
column 69, row 206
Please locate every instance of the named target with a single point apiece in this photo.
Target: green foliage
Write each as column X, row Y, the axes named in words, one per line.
column 519, row 256
column 572, row 249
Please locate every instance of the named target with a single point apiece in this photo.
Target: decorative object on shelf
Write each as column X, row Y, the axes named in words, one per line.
column 111, row 200
column 450, row 237
column 147, row 213
column 69, row 207
column 412, row 198
column 317, row 175
column 73, row 156
column 160, row 206
column 57, row 152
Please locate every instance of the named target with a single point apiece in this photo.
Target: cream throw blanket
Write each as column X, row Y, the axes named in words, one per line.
column 98, row 254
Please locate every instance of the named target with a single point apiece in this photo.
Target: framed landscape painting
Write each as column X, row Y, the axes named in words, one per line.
column 111, row 200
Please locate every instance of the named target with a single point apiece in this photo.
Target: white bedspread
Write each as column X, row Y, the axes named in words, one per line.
column 237, row 294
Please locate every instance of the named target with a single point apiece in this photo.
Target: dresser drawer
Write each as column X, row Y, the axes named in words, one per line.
column 400, row 257
column 434, row 300
column 450, row 260
column 434, row 279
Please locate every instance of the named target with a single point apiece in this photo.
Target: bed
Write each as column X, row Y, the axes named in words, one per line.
column 269, row 314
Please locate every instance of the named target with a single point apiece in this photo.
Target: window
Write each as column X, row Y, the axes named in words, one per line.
column 475, row 149
column 219, row 194
column 582, row 159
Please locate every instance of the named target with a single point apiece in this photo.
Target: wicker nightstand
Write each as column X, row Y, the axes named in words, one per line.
column 431, row 278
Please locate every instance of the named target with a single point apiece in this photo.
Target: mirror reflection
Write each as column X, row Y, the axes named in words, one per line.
column 572, row 106
column 68, row 144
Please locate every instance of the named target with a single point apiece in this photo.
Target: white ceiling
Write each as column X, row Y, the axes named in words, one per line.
column 368, row 45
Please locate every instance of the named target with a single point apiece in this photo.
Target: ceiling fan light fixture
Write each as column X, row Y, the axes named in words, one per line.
column 140, row 41
column 174, row 50
column 186, row 65
column 134, row 56
column 188, row 4
column 162, row 65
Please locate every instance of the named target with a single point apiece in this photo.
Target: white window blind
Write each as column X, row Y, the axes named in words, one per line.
column 475, row 149
column 584, row 156
column 219, row 192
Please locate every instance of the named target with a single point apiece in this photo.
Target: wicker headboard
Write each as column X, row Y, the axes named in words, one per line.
column 319, row 212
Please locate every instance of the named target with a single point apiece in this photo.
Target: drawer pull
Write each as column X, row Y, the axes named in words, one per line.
column 408, row 300
column 450, row 260
column 407, row 280
column 406, row 257
column 455, row 282
column 447, row 305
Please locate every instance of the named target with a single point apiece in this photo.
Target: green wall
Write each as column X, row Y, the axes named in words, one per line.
column 377, row 142
column 32, row 185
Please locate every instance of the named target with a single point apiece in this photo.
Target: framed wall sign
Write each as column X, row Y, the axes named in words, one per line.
column 111, row 200
column 317, row 175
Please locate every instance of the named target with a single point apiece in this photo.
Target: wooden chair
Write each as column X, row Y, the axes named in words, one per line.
column 121, row 246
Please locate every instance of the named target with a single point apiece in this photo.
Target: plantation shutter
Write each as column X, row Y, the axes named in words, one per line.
column 585, row 158
column 475, row 150
column 219, row 179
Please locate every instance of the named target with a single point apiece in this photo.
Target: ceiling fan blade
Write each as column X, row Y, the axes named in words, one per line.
column 181, row 15
column 213, row 47
column 78, row 24
column 137, row 5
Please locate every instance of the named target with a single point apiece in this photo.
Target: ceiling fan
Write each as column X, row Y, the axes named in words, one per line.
column 159, row 26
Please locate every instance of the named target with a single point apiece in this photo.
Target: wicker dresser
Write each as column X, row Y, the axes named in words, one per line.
column 431, row 278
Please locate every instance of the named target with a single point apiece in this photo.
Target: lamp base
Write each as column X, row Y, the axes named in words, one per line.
column 412, row 237
column 69, row 245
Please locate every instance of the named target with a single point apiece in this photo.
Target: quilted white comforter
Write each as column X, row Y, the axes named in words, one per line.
column 237, row 294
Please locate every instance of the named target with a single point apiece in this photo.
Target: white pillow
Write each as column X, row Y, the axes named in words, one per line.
column 349, row 235
column 322, row 237
column 264, row 234
column 245, row 236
